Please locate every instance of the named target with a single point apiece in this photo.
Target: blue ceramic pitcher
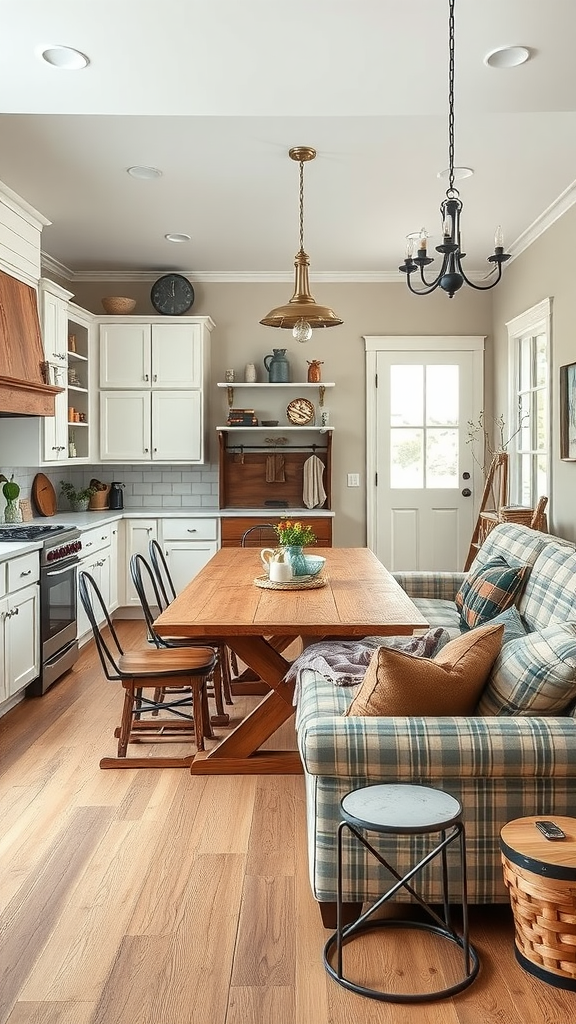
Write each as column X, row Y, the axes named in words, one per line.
column 278, row 366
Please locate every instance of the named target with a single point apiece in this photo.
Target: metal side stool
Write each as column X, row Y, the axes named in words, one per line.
column 403, row 810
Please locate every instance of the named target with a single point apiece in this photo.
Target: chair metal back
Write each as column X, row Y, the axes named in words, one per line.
column 262, row 533
column 92, row 599
column 162, row 573
column 144, row 580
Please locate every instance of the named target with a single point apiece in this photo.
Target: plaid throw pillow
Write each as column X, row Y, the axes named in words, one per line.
column 489, row 591
column 534, row 675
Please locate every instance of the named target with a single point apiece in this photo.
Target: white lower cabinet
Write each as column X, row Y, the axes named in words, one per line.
column 97, row 561
column 137, row 534
column 188, row 544
column 19, row 624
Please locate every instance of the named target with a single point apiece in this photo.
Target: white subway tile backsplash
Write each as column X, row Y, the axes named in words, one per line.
column 144, row 487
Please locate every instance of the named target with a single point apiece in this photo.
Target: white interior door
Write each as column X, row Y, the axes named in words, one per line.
column 421, row 395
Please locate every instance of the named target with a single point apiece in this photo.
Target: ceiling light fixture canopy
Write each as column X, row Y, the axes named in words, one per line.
column 451, row 276
column 301, row 314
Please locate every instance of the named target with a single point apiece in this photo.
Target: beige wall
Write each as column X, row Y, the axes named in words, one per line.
column 544, row 271
column 366, row 309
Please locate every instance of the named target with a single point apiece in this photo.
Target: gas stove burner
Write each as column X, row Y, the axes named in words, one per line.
column 21, row 533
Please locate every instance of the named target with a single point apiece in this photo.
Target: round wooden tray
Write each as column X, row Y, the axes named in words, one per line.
column 305, row 583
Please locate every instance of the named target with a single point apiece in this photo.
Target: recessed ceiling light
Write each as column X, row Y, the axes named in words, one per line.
column 176, row 237
column 507, row 57
column 141, row 171
column 459, row 173
column 65, row 58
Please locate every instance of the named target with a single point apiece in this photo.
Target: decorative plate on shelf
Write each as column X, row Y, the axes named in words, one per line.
column 300, row 412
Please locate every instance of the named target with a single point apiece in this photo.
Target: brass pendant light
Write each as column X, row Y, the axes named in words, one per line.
column 302, row 314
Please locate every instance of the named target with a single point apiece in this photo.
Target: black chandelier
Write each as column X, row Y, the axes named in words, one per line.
column 451, row 276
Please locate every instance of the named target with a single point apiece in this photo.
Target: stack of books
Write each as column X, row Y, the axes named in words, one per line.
column 242, row 418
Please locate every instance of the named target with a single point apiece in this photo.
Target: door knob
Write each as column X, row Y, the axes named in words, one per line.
column 466, row 492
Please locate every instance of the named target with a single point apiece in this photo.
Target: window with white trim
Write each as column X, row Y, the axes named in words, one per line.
column 529, row 404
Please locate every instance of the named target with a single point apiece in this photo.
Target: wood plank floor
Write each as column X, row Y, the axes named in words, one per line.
column 153, row 897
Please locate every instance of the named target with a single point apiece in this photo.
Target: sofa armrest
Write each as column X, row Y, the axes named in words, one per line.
column 442, row 585
column 403, row 748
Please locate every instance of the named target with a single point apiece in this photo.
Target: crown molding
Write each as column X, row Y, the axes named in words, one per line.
column 552, row 213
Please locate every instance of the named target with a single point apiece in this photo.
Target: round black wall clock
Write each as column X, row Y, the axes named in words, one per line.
column 172, row 295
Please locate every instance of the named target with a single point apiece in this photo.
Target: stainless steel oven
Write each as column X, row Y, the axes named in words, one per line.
column 59, row 558
column 58, row 618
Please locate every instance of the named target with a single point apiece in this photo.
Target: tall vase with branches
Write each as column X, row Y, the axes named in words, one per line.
column 489, row 449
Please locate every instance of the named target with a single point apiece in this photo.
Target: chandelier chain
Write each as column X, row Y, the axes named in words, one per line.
column 301, row 206
column 451, row 98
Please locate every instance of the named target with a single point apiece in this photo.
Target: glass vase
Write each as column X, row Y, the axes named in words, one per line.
column 13, row 512
column 295, row 555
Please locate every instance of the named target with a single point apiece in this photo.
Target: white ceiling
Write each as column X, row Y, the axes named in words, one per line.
column 215, row 92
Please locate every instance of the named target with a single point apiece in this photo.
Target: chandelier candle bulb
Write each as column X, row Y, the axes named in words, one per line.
column 409, row 249
column 499, row 238
column 447, row 227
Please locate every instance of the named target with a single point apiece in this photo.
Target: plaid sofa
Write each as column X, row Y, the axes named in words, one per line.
column 499, row 767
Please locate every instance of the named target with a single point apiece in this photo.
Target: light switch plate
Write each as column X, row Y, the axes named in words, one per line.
column 353, row 480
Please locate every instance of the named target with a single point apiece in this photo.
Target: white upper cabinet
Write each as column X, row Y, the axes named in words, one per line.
column 125, row 355
column 143, row 355
column 153, row 382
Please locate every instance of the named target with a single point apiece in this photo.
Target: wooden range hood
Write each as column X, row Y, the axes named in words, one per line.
column 23, row 391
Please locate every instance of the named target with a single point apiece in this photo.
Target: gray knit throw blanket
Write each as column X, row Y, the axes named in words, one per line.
column 344, row 662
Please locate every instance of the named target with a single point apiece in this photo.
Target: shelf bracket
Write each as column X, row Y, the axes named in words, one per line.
column 230, row 393
column 321, row 393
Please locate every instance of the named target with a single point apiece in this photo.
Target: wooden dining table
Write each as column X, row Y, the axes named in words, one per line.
column 223, row 603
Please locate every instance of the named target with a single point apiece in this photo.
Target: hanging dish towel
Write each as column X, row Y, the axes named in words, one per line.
column 313, row 493
column 275, row 469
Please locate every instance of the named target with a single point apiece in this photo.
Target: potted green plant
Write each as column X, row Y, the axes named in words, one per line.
column 11, row 490
column 79, row 499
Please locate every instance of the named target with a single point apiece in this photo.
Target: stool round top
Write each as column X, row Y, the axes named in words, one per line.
column 400, row 808
column 523, row 844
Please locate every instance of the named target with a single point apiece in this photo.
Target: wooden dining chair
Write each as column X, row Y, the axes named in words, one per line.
column 153, row 590
column 161, row 715
column 259, row 535
column 167, row 592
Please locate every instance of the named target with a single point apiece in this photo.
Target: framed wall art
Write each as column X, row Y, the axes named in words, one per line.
column 568, row 412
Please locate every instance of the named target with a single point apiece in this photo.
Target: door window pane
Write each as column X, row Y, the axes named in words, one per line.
column 442, row 389
column 441, row 458
column 406, row 458
column 406, row 396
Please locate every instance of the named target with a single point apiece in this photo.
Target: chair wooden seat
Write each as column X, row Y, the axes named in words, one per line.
column 176, row 661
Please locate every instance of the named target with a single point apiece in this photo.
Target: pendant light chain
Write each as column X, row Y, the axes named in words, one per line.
column 301, row 206
column 451, row 276
column 451, row 99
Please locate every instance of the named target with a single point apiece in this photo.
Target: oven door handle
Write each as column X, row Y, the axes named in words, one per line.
column 60, row 572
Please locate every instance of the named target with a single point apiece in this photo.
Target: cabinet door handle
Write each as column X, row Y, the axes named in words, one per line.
column 146, row 377
column 89, row 544
column 146, row 450
column 27, row 573
column 155, row 377
column 192, row 530
column 155, row 449
column 16, row 611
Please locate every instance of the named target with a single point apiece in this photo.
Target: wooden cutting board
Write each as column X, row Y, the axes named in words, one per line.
column 44, row 495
